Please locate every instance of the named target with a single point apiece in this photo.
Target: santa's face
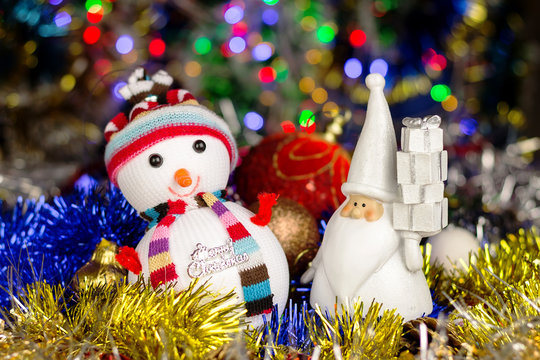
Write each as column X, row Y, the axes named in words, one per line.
column 354, row 248
column 362, row 207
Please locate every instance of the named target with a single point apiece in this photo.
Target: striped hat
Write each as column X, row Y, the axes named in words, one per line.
column 150, row 122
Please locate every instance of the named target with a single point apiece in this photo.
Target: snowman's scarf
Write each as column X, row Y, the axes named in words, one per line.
column 253, row 273
column 160, row 265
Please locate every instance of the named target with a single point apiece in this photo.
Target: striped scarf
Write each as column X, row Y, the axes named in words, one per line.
column 253, row 273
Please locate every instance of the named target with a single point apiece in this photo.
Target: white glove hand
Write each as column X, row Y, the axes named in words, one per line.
column 411, row 248
column 413, row 256
column 308, row 275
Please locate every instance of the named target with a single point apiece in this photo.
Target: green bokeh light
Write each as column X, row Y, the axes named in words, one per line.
column 282, row 69
column 270, row 2
column 387, row 36
column 202, row 45
column 325, row 34
column 390, row 4
column 107, row 7
column 90, row 3
column 440, row 92
column 307, row 118
column 282, row 75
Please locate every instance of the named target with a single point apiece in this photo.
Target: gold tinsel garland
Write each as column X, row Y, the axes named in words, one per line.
column 495, row 300
column 132, row 320
column 494, row 313
column 372, row 337
column 514, row 261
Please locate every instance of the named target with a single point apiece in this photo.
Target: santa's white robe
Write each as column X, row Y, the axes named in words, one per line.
column 361, row 261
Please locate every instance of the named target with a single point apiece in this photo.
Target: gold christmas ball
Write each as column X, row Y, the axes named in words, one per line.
column 297, row 232
column 101, row 269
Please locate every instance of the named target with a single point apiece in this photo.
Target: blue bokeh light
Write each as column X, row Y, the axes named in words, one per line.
column 234, row 14
column 116, row 89
column 468, row 126
column 62, row 19
column 270, row 16
column 124, row 44
column 461, row 6
column 353, row 68
column 378, row 66
column 237, row 44
column 261, row 52
column 253, row 121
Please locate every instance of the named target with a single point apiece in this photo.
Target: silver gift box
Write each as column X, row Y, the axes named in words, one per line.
column 426, row 219
column 421, row 140
column 421, row 168
column 416, row 194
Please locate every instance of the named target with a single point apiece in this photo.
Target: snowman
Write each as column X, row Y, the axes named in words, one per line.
column 172, row 159
column 362, row 256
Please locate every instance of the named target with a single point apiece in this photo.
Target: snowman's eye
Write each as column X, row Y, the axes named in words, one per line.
column 364, row 205
column 355, row 203
column 155, row 160
column 199, row 146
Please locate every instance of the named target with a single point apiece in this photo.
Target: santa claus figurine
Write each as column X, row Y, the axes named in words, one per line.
column 363, row 257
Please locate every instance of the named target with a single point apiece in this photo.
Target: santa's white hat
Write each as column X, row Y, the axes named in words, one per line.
column 373, row 166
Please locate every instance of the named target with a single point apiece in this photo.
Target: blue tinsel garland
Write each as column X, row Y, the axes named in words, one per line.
column 51, row 241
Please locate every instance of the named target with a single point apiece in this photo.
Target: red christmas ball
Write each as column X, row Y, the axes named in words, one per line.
column 300, row 166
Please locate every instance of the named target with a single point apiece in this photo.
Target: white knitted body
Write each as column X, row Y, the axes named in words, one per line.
column 203, row 226
column 362, row 261
column 145, row 187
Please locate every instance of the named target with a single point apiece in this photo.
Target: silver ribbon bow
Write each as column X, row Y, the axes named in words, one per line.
column 427, row 122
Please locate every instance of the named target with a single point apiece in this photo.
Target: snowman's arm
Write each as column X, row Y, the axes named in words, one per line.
column 129, row 259
column 266, row 201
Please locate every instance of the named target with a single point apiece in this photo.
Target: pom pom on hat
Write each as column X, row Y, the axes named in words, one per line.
column 151, row 122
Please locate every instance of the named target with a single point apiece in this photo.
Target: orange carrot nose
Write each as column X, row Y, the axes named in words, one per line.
column 182, row 177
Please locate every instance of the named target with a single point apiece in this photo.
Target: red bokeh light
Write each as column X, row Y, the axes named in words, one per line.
column 438, row 62
column 428, row 55
column 156, row 47
column 239, row 29
column 225, row 51
column 357, row 38
column 225, row 8
column 288, row 126
column 95, row 14
column 309, row 128
column 102, row 67
column 435, row 61
column 267, row 74
column 91, row 35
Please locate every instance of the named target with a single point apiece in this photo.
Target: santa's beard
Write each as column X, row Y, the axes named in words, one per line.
column 353, row 249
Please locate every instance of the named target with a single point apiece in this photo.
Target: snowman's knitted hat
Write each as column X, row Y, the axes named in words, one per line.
column 373, row 166
column 150, row 122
